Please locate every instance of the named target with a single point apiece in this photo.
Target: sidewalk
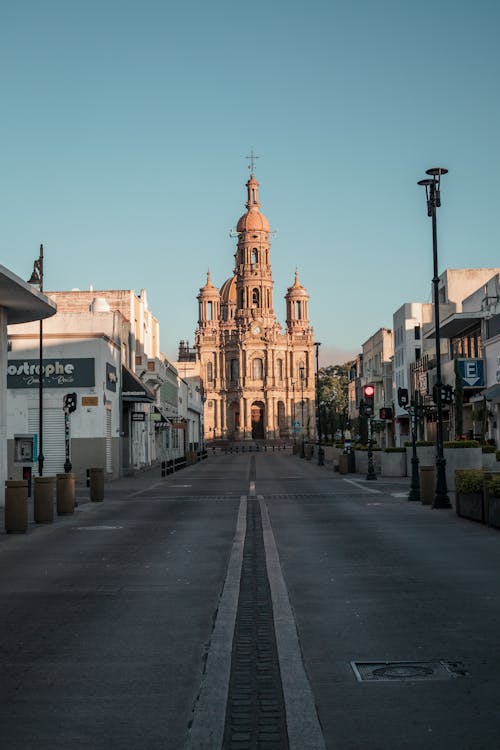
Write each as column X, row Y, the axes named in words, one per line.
column 112, row 489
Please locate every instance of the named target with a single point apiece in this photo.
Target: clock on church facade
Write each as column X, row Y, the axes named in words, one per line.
column 258, row 379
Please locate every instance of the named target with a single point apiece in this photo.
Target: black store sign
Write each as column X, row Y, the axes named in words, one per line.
column 57, row 373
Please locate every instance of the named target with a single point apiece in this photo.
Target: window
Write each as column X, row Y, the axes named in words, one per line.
column 210, row 371
column 210, row 311
column 255, row 255
column 255, row 298
column 417, row 333
column 418, row 353
column 258, row 369
column 234, row 369
column 279, row 369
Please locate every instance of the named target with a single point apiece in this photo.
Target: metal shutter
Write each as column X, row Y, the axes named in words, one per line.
column 109, row 454
column 54, row 446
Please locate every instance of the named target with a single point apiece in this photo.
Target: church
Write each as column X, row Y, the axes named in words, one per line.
column 258, row 379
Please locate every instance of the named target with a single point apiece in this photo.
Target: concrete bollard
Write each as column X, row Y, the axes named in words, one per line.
column 97, row 485
column 43, row 500
column 16, row 506
column 427, row 484
column 65, row 493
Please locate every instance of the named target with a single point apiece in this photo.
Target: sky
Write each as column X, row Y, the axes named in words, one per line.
column 124, row 129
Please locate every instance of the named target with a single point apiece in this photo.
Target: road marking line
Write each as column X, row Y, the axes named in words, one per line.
column 303, row 726
column 145, row 489
column 209, row 711
column 362, row 487
column 251, row 492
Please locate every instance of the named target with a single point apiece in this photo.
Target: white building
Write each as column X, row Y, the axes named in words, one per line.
column 104, row 347
column 409, row 347
column 19, row 303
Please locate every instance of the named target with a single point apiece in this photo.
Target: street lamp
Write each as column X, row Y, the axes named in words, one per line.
column 36, row 279
column 321, row 454
column 293, row 414
column 301, row 375
column 433, row 195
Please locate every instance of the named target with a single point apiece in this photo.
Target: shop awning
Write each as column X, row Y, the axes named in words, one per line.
column 492, row 393
column 133, row 389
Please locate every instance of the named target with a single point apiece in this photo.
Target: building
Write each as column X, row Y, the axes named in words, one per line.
column 464, row 306
column 103, row 347
column 409, row 347
column 19, row 303
column 377, row 354
column 258, row 380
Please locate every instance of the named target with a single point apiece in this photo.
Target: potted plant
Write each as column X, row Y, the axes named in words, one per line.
column 469, row 494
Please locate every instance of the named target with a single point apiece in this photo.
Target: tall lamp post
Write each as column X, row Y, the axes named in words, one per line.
column 301, row 375
column 321, row 454
column 37, row 280
column 433, row 195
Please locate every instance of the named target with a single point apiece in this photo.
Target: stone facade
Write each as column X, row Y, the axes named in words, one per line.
column 258, row 380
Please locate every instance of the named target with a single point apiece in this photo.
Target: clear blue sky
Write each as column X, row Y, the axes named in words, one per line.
column 124, row 128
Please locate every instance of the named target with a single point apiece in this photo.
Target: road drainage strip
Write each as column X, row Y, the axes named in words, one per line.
column 407, row 671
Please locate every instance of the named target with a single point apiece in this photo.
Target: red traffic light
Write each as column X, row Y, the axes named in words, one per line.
column 369, row 391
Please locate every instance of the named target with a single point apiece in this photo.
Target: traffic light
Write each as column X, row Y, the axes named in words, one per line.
column 403, row 399
column 369, row 397
column 385, row 413
column 69, row 402
column 446, row 394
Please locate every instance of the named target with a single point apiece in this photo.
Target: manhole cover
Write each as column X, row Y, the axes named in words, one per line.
column 376, row 671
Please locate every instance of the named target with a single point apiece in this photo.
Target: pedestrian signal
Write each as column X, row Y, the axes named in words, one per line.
column 385, row 413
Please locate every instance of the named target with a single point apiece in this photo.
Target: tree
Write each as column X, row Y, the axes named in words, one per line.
column 333, row 398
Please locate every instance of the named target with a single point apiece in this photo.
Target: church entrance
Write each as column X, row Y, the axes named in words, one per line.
column 257, row 413
column 234, row 418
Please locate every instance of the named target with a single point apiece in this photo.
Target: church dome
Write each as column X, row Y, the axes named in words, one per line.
column 253, row 220
column 228, row 290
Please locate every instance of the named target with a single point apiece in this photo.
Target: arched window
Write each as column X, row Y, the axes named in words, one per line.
column 210, row 311
column 241, row 298
column 255, row 255
column 258, row 369
column 210, row 372
column 255, row 297
column 279, row 369
column 297, row 314
column 234, row 369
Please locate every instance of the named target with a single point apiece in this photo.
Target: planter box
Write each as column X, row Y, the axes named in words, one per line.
column 470, row 505
column 426, row 455
column 361, row 461
column 461, row 458
column 490, row 462
column 393, row 464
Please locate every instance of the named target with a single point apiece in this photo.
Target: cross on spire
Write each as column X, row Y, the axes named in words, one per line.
column 252, row 159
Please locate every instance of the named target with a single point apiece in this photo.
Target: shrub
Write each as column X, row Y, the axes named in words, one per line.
column 419, row 443
column 498, row 455
column 494, row 486
column 461, row 444
column 469, row 480
column 395, row 450
column 488, row 449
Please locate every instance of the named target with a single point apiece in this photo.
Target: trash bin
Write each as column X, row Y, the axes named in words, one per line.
column 43, row 500
column 16, row 506
column 96, row 477
column 427, row 484
column 65, row 493
column 343, row 463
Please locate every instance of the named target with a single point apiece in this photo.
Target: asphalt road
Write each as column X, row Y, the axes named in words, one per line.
column 115, row 622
